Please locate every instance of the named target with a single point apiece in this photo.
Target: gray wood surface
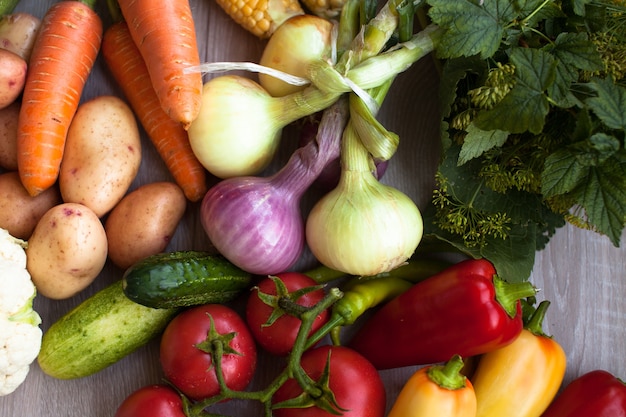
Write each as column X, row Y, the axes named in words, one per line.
column 581, row 273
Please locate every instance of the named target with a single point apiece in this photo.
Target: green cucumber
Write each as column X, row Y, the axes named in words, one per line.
column 98, row 332
column 183, row 279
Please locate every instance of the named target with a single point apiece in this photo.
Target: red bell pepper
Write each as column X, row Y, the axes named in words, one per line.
column 597, row 393
column 466, row 309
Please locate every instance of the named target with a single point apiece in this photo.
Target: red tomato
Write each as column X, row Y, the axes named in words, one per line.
column 357, row 386
column 278, row 338
column 152, row 401
column 190, row 368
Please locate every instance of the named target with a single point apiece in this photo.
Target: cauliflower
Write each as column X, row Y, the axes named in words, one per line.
column 20, row 335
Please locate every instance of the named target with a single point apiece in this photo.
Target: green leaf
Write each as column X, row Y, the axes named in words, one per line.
column 560, row 91
column 513, row 257
column 562, row 173
column 471, row 28
column 576, row 51
column 598, row 149
column 609, row 104
column 535, row 11
column 453, row 72
column 573, row 52
column 579, row 6
column 477, row 141
column 535, row 71
column 603, row 197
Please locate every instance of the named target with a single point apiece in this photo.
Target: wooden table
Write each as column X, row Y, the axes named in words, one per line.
column 581, row 273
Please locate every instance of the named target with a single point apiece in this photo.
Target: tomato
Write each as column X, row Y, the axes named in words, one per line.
column 152, row 401
column 278, row 338
column 355, row 383
column 186, row 357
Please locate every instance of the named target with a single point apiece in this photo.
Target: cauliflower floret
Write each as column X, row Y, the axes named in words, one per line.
column 20, row 335
column 12, row 249
column 20, row 343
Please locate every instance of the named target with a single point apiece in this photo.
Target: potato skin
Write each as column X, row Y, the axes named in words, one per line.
column 67, row 251
column 8, row 136
column 18, row 32
column 19, row 211
column 102, row 154
column 12, row 77
column 143, row 223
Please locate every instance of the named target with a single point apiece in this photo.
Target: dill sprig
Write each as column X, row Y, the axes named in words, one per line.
column 534, row 122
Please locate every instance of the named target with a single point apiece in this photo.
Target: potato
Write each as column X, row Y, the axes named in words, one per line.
column 102, row 154
column 67, row 251
column 143, row 223
column 19, row 211
column 12, row 77
column 18, row 32
column 8, row 136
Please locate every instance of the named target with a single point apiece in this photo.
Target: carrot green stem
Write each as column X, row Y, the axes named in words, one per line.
column 115, row 11
column 90, row 3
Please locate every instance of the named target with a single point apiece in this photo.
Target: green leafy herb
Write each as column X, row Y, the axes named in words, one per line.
column 533, row 100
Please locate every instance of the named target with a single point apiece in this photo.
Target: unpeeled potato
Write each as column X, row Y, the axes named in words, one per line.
column 12, row 77
column 102, row 154
column 18, row 32
column 67, row 251
column 143, row 223
column 8, row 136
column 19, row 211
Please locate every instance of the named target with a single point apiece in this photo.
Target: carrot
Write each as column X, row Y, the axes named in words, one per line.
column 168, row 136
column 165, row 34
column 63, row 55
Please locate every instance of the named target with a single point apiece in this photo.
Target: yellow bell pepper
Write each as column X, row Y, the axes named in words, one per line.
column 522, row 378
column 437, row 390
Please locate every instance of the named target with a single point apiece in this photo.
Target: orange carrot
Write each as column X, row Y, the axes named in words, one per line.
column 165, row 34
column 63, row 55
column 168, row 136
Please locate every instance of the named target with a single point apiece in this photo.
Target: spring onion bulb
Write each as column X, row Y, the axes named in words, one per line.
column 306, row 38
column 255, row 222
column 239, row 126
column 362, row 227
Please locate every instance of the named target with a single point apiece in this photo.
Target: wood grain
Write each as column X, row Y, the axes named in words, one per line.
column 581, row 273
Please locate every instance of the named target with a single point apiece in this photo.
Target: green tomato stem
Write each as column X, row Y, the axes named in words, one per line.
column 292, row 370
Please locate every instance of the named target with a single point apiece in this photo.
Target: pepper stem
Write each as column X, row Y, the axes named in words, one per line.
column 448, row 375
column 535, row 321
column 508, row 294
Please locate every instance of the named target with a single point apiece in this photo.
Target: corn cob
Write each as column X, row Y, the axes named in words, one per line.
column 261, row 17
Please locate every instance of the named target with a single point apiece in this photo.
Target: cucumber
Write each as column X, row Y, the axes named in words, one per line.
column 183, row 279
column 98, row 332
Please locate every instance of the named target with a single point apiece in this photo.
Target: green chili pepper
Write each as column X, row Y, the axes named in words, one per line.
column 364, row 293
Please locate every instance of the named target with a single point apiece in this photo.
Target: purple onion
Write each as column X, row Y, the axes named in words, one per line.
column 256, row 222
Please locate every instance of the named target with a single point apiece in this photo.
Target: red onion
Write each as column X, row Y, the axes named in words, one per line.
column 255, row 222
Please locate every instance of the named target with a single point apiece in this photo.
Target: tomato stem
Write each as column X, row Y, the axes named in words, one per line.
column 292, row 370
